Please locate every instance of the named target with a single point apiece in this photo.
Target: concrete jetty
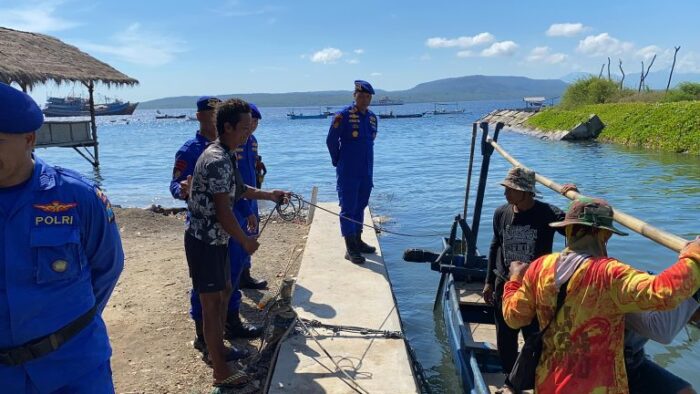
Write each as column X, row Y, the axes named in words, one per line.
column 334, row 291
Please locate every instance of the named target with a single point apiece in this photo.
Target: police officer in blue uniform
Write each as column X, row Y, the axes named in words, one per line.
column 350, row 143
column 185, row 160
column 247, row 156
column 60, row 258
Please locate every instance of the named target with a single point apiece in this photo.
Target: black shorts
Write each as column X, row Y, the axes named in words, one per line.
column 209, row 265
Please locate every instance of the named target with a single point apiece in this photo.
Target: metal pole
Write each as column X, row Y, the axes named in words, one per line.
column 486, row 151
column 659, row 236
column 469, row 174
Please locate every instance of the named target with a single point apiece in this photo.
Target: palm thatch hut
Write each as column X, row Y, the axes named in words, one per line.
column 29, row 59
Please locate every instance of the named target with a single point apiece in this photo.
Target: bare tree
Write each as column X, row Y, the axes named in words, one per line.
column 644, row 75
column 668, row 85
column 600, row 75
column 609, row 79
column 623, row 75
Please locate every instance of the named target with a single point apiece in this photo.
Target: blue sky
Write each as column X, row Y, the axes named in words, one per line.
column 179, row 48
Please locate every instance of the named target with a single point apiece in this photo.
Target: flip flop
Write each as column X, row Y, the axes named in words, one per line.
column 238, row 380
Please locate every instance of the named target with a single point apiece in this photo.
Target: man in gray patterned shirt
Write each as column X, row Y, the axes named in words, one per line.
column 216, row 186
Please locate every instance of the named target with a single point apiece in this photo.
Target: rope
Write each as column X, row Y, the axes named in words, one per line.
column 364, row 331
column 376, row 228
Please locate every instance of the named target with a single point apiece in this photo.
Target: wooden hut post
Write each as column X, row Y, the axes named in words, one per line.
column 93, row 123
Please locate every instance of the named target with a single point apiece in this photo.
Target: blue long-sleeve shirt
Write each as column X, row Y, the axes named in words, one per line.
column 62, row 256
column 350, row 142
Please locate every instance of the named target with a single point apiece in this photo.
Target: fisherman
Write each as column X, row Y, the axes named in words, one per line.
column 644, row 376
column 60, row 258
column 216, row 186
column 247, row 210
column 350, row 143
column 520, row 232
column 260, row 170
column 185, row 160
column 582, row 349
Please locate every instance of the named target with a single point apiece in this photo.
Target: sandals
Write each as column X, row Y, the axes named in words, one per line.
column 238, row 380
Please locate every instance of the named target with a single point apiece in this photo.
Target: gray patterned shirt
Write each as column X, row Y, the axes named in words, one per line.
column 216, row 171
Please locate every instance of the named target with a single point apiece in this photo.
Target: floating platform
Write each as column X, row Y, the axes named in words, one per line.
column 335, row 291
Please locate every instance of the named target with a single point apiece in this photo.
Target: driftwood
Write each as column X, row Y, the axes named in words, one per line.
column 600, row 74
column 609, row 78
column 668, row 85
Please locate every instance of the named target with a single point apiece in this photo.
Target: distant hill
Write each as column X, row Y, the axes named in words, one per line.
column 473, row 87
column 655, row 80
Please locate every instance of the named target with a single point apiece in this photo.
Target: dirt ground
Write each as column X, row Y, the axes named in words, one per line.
column 147, row 317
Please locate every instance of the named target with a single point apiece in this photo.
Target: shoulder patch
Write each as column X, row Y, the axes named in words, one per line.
column 337, row 120
column 105, row 201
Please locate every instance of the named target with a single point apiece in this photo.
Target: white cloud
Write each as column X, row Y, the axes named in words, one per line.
column 36, row 17
column 688, row 62
column 542, row 54
column 460, row 42
column 603, row 45
column 327, row 55
column 359, row 51
column 465, row 54
column 649, row 51
column 503, row 48
column 375, row 74
column 130, row 46
column 566, row 29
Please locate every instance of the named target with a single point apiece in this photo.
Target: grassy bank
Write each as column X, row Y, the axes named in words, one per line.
column 673, row 127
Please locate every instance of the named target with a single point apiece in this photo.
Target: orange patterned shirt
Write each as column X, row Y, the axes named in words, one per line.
column 583, row 348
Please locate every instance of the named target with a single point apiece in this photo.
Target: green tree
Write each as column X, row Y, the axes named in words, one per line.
column 589, row 91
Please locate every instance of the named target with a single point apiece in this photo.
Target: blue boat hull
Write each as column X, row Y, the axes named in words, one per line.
column 100, row 110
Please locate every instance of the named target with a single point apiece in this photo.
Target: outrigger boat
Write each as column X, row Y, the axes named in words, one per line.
column 295, row 116
column 469, row 321
column 392, row 115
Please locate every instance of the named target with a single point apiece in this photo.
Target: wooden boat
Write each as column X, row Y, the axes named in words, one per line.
column 171, row 116
column 469, row 321
column 447, row 109
column 384, row 101
column 295, row 116
column 392, row 115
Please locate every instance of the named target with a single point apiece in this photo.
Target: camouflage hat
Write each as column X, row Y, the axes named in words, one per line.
column 520, row 178
column 593, row 212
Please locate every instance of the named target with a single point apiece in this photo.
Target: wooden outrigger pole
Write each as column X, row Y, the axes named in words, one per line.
column 659, row 236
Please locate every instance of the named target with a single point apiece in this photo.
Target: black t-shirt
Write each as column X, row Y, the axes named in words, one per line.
column 522, row 236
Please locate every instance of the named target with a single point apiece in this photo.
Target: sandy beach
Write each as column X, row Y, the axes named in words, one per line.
column 148, row 315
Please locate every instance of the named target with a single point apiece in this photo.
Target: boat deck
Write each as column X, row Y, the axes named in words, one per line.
column 469, row 293
column 334, row 291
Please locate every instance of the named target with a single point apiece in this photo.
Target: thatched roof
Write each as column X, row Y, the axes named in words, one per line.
column 31, row 59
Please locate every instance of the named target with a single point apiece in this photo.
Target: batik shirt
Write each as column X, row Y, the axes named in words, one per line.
column 583, row 348
column 215, row 172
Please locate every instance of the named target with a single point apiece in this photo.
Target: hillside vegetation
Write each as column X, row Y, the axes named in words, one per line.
column 656, row 120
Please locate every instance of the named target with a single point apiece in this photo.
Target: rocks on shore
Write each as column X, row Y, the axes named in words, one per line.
column 516, row 120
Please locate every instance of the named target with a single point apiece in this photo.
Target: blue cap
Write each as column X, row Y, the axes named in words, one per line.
column 363, row 86
column 207, row 103
column 254, row 111
column 18, row 112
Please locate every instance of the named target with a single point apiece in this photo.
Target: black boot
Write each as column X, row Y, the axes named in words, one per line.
column 235, row 328
column 363, row 247
column 199, row 343
column 352, row 253
column 248, row 282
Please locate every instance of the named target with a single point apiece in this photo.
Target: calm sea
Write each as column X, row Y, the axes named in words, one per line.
column 420, row 173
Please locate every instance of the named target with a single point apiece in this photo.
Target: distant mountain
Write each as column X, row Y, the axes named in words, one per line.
column 473, row 87
column 655, row 80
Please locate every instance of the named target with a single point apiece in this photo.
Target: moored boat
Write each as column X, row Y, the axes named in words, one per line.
column 295, row 116
column 171, row 116
column 384, row 101
column 392, row 115
column 78, row 106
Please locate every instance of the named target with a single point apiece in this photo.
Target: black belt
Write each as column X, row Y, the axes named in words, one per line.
column 47, row 344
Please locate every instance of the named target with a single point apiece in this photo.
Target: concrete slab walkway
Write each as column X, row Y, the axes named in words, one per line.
column 334, row 291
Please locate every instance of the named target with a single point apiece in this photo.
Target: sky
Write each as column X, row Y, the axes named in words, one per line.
column 178, row 48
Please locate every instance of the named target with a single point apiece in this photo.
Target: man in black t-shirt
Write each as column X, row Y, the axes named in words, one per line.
column 521, row 232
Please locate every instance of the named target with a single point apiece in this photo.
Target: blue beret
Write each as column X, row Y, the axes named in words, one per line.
column 18, row 112
column 207, row 103
column 363, row 86
column 254, row 111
